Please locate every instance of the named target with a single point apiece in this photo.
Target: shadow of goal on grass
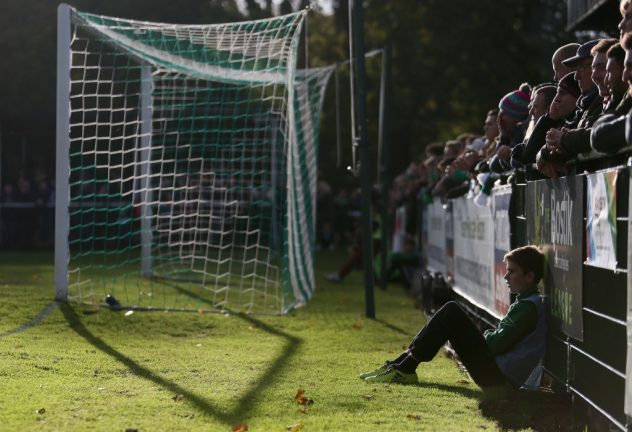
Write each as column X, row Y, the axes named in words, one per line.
column 38, row 319
column 242, row 407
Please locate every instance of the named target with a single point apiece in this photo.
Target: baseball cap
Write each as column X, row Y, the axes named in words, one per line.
column 583, row 52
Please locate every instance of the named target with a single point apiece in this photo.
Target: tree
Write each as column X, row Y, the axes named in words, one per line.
column 453, row 61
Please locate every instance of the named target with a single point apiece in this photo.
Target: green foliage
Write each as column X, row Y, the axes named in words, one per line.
column 452, row 61
column 85, row 368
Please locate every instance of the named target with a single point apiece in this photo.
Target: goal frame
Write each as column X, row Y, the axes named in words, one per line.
column 299, row 280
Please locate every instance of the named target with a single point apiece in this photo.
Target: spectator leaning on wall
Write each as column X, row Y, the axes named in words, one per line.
column 608, row 132
column 566, row 143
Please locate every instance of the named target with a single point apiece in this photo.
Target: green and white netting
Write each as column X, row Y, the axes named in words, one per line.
column 192, row 178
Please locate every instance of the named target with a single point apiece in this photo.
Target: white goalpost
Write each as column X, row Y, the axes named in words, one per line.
column 186, row 164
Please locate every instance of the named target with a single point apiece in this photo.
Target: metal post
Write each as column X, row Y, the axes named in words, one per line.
column 145, row 170
column 62, row 174
column 365, row 165
column 384, row 158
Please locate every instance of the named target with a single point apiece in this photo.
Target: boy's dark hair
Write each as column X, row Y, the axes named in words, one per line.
column 529, row 258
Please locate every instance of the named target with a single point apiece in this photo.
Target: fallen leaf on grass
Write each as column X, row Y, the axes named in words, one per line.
column 368, row 397
column 301, row 399
column 463, row 381
column 356, row 326
column 295, row 427
column 41, row 411
column 240, row 427
column 413, row 416
column 178, row 397
column 303, row 410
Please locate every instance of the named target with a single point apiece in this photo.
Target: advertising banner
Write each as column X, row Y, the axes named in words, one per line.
column 436, row 253
column 423, row 235
column 501, row 198
column 601, row 219
column 399, row 230
column 474, row 253
column 555, row 223
column 449, row 242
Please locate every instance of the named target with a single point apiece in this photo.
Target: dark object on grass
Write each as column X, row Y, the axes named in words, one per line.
column 112, row 302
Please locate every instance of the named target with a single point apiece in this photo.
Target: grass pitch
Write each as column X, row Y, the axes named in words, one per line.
column 83, row 368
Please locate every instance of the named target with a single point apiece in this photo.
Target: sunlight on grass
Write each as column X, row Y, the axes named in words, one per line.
column 89, row 368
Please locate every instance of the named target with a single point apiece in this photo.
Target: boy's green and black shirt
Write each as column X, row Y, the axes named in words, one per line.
column 520, row 320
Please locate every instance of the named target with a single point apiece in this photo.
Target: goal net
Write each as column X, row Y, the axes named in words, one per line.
column 186, row 164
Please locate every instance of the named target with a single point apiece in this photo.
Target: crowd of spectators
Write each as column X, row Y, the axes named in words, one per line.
column 543, row 128
column 27, row 210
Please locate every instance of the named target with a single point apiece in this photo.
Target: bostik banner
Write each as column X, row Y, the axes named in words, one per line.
column 501, row 198
column 474, row 253
column 556, row 224
column 436, row 237
column 601, row 219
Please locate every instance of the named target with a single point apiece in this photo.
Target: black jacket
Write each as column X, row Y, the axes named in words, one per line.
column 525, row 153
column 609, row 132
column 577, row 140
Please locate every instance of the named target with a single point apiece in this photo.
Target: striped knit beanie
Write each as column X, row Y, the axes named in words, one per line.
column 516, row 103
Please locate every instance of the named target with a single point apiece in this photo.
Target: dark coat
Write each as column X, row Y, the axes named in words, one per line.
column 608, row 132
column 577, row 140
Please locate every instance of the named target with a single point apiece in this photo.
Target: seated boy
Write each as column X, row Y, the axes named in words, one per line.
column 504, row 355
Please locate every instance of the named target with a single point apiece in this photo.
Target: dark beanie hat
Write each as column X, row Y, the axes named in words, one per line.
column 569, row 84
column 516, row 103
